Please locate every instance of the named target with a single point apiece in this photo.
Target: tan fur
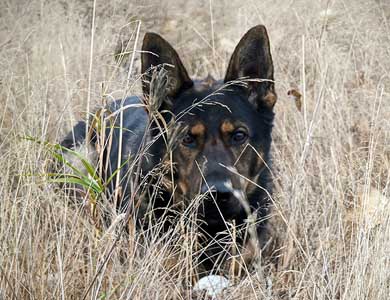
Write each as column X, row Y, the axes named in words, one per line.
column 183, row 187
column 198, row 130
column 227, row 127
column 270, row 99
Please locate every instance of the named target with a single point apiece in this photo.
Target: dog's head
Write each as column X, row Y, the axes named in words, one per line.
column 229, row 122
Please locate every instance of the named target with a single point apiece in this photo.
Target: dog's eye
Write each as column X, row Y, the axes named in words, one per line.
column 188, row 140
column 239, row 136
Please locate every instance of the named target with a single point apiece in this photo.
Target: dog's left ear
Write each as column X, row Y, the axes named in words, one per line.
column 157, row 52
column 252, row 59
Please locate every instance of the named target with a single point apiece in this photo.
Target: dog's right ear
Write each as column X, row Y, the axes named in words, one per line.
column 157, row 53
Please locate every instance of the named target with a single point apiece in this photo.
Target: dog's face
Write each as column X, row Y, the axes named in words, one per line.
column 228, row 122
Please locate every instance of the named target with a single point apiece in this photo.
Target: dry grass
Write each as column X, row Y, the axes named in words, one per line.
column 331, row 221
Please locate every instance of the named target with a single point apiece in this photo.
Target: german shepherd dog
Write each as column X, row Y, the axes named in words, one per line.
column 222, row 153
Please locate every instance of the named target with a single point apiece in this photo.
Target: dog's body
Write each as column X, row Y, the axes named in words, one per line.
column 224, row 153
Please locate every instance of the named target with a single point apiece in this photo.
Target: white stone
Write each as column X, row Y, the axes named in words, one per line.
column 212, row 284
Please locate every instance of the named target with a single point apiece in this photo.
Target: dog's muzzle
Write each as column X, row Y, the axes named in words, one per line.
column 219, row 191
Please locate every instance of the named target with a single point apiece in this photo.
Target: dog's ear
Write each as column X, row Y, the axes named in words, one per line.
column 157, row 52
column 252, row 59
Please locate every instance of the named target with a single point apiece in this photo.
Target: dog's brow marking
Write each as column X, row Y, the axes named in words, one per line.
column 198, row 129
column 227, row 127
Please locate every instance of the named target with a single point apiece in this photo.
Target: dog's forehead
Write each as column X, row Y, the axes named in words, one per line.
column 211, row 102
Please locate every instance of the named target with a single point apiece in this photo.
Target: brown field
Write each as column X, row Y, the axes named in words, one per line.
column 331, row 217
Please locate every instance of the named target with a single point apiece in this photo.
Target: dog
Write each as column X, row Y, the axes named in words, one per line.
column 221, row 152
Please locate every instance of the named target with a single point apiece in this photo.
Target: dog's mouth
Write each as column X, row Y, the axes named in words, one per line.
column 219, row 207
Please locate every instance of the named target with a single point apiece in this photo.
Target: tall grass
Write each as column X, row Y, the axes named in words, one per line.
column 330, row 224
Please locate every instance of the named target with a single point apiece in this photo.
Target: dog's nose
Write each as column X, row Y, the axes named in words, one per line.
column 219, row 190
column 224, row 186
